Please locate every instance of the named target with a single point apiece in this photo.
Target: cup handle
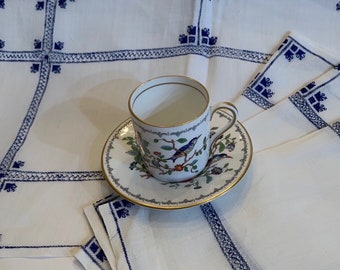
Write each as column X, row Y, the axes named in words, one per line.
column 223, row 105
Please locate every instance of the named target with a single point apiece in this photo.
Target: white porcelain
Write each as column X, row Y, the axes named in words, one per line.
column 123, row 168
column 171, row 117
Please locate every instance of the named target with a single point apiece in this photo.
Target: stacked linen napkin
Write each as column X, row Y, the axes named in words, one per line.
column 285, row 213
column 283, row 192
column 282, row 215
column 295, row 61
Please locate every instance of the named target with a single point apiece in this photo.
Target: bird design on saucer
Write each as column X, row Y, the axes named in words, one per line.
column 181, row 156
column 230, row 157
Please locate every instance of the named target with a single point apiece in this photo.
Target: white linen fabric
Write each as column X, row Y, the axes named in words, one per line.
column 297, row 194
column 314, row 106
column 294, row 222
column 67, row 68
column 294, row 62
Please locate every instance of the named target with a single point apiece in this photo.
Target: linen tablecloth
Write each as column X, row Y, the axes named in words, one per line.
column 67, row 69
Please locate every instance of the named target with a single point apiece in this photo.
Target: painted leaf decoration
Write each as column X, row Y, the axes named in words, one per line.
column 221, row 147
column 194, row 162
column 166, row 147
column 182, row 140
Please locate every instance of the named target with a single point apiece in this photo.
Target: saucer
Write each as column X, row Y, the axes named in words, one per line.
column 230, row 159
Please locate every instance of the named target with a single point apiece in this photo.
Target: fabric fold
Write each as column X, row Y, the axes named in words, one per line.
column 314, row 106
column 295, row 61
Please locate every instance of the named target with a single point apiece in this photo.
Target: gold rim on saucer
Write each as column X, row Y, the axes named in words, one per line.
column 229, row 161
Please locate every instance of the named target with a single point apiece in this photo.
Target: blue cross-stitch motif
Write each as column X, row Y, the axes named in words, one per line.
column 40, row 5
column 95, row 248
column 306, row 89
column 262, row 87
column 192, row 36
column 2, row 44
column 294, row 51
column 282, row 44
column 37, row 44
column 35, row 68
column 96, row 253
column 56, row 69
column 206, row 38
column 10, row 187
column 58, row 45
column 18, row 164
column 315, row 101
column 336, row 127
column 121, row 208
column 63, row 3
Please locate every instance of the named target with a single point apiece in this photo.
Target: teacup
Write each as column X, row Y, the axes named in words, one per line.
column 171, row 118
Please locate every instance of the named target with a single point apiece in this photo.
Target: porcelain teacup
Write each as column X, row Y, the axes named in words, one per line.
column 171, row 118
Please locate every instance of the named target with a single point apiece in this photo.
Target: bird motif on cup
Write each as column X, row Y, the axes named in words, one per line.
column 185, row 149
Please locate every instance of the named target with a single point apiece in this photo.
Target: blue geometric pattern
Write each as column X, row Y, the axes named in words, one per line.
column 295, row 51
column 95, row 252
column 308, row 88
column 307, row 110
column 120, row 207
column 227, row 246
column 262, row 87
column 193, row 37
column 315, row 101
column 47, row 57
column 336, row 127
column 258, row 90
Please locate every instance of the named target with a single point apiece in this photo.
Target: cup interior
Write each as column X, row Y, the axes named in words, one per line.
column 169, row 101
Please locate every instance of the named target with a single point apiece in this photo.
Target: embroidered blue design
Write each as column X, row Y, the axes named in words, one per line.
column 336, row 127
column 193, row 36
column 10, row 187
column 121, row 208
column 262, row 87
column 40, row 5
column 305, row 108
column 294, row 50
column 113, row 211
column 338, row 6
column 37, row 44
column 18, row 164
column 2, row 3
column 35, row 68
column 63, row 3
column 2, row 44
column 58, row 45
column 308, row 88
column 315, row 101
column 224, row 240
column 56, row 69
column 96, row 253
column 283, row 44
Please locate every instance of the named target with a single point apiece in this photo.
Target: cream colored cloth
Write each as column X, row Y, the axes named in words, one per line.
column 295, row 61
column 314, row 106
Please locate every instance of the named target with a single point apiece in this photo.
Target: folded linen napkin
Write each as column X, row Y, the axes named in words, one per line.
column 313, row 106
column 121, row 217
column 283, row 215
column 295, row 61
column 97, row 253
